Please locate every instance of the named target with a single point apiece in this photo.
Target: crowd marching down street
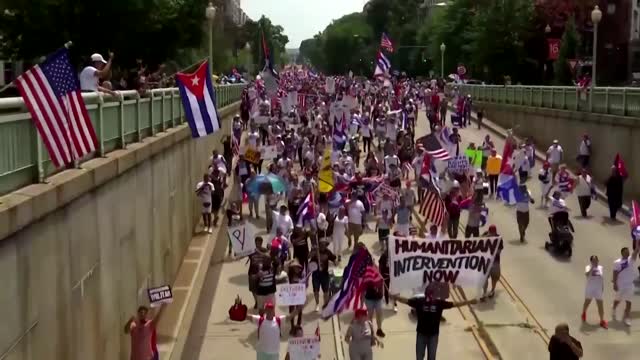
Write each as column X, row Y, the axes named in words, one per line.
column 328, row 159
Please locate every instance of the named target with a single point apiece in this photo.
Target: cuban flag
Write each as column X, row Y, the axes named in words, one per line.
column 484, row 216
column 340, row 132
column 508, row 189
column 383, row 65
column 199, row 101
column 306, row 211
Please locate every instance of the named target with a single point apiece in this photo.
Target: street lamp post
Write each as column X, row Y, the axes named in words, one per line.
column 443, row 47
column 596, row 16
column 210, row 13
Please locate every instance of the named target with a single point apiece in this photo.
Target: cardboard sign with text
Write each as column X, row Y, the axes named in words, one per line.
column 242, row 239
column 291, row 294
column 304, row 348
column 160, row 295
column 252, row 155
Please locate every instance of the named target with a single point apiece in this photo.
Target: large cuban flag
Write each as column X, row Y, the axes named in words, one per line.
column 508, row 189
column 199, row 101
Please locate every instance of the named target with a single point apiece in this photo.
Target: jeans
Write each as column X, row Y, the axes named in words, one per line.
column 428, row 343
column 452, row 227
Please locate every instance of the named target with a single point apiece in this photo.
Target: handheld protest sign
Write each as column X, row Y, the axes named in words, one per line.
column 242, row 241
column 160, row 295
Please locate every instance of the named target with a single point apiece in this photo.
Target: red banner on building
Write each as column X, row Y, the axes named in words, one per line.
column 554, row 48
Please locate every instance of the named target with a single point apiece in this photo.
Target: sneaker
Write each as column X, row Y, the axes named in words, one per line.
column 604, row 324
column 395, row 309
column 210, row 231
column 380, row 333
column 583, row 317
column 627, row 321
column 317, row 308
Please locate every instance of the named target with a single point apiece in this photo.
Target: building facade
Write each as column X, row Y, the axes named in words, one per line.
column 233, row 11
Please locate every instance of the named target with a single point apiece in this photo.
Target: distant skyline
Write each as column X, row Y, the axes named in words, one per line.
column 301, row 19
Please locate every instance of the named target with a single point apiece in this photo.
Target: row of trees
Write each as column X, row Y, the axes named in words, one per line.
column 157, row 31
column 493, row 39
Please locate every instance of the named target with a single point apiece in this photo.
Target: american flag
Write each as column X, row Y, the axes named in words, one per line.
column 302, row 101
column 51, row 92
column 433, row 207
column 235, row 146
column 433, row 147
column 370, row 277
column 386, row 43
column 351, row 280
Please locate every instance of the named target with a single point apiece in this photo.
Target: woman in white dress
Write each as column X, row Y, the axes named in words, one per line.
column 340, row 232
column 594, row 289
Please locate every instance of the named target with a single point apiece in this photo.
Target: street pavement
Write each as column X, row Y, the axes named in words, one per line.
column 538, row 290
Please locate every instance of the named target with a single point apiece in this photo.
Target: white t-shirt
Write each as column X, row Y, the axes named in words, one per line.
column 339, row 225
column 88, row 79
column 585, row 147
column 555, row 154
column 205, row 194
column 595, row 280
column 268, row 334
column 356, row 208
column 626, row 272
column 283, row 222
column 253, row 139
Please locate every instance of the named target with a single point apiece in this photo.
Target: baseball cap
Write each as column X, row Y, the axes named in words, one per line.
column 98, row 58
column 269, row 305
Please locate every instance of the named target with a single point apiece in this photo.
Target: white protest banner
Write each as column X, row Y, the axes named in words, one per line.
column 242, row 240
column 160, row 295
column 415, row 261
column 384, row 189
column 459, row 164
column 261, row 120
column 268, row 152
column 291, row 294
column 304, row 348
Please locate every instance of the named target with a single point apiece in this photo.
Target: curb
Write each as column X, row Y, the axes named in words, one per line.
column 499, row 131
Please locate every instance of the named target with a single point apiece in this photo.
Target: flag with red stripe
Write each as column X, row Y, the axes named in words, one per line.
column 433, row 207
column 386, row 43
column 51, row 92
column 302, row 101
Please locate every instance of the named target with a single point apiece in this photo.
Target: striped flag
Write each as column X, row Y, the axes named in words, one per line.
column 51, row 92
column 433, row 147
column 302, row 101
column 235, row 146
column 433, row 207
column 371, row 277
column 199, row 101
column 386, row 43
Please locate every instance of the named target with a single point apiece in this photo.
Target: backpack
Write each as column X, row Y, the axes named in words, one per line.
column 278, row 321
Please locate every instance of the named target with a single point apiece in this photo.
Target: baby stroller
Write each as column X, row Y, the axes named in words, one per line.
column 561, row 235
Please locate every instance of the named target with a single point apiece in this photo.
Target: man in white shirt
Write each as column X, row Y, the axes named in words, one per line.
column 584, row 191
column 584, row 151
column 356, row 213
column 90, row 75
column 269, row 331
column 203, row 190
column 283, row 221
column 554, row 156
column 623, row 276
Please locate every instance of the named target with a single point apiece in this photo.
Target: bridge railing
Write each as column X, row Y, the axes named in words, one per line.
column 118, row 122
column 606, row 100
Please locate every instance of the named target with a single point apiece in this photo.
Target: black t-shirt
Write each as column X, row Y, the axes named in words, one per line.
column 429, row 313
column 558, row 350
column 373, row 292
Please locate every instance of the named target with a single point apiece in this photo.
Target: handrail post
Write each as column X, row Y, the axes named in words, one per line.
column 162, row 96
column 100, row 125
column 606, row 101
column 173, row 114
column 39, row 168
column 138, row 118
column 624, row 102
column 123, row 142
column 153, row 130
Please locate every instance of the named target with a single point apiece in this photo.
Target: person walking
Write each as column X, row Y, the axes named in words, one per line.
column 615, row 189
column 428, row 311
column 522, row 211
column 360, row 337
column 494, row 273
column 204, row 191
column 269, row 331
column 594, row 290
column 584, row 191
column 623, row 277
column 494, row 162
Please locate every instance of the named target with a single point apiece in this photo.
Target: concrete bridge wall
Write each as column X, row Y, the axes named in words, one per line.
column 610, row 134
column 77, row 254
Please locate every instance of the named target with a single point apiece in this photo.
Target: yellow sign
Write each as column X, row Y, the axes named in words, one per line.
column 252, row 155
column 325, row 175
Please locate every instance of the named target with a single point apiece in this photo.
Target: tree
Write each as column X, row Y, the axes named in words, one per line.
column 274, row 37
column 569, row 45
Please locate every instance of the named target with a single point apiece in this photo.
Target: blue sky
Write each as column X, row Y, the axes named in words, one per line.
column 301, row 19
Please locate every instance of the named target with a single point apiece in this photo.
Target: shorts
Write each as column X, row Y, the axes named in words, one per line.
column 355, row 229
column 624, row 294
column 373, row 305
column 383, row 234
column 266, row 356
column 593, row 292
column 206, row 208
column 402, row 229
column 263, row 299
column 495, row 272
column 216, row 203
column 320, row 280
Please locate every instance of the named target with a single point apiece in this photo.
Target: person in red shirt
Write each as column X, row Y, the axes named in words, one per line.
column 143, row 334
column 452, row 202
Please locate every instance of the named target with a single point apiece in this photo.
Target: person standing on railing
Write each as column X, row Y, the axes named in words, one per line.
column 92, row 74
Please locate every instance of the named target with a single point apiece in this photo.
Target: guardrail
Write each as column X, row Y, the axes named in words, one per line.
column 606, row 100
column 118, row 122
